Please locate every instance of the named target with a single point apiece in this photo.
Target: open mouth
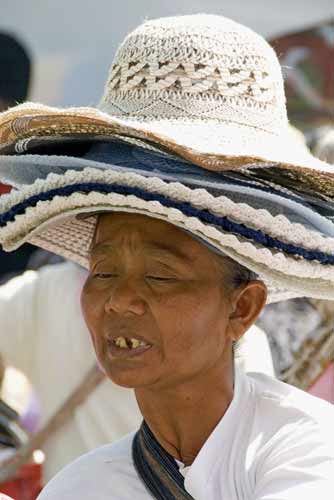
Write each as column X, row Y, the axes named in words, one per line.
column 129, row 343
column 127, row 347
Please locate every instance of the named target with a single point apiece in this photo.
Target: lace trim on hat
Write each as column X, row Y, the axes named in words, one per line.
column 277, row 226
column 222, row 222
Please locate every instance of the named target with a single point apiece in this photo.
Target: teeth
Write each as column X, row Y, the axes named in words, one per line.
column 135, row 343
column 132, row 343
column 121, row 342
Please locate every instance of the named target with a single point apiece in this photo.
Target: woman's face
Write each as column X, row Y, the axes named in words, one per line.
column 155, row 303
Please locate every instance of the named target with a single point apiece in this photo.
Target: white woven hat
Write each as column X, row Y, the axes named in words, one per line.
column 191, row 95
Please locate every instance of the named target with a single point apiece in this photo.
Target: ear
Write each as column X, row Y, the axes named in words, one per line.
column 246, row 304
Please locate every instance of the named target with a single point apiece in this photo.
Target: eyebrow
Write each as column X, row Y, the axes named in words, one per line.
column 158, row 249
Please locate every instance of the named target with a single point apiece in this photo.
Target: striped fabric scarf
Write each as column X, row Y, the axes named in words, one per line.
column 157, row 468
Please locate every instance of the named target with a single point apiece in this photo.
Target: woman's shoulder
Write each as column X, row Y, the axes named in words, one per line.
column 282, row 408
column 98, row 469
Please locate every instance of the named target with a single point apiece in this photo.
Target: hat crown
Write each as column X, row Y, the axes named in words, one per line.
column 199, row 67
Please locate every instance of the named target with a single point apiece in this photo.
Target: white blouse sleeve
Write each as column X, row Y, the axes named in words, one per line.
column 300, row 465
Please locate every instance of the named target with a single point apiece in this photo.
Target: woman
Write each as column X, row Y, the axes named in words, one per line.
column 175, row 197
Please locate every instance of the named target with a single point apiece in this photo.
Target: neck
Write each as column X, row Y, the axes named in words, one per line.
column 183, row 416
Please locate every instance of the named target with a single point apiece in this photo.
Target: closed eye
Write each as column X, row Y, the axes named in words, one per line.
column 104, row 276
column 160, row 278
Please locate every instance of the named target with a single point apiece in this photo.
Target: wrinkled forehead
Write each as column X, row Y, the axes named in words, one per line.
column 106, row 224
column 135, row 232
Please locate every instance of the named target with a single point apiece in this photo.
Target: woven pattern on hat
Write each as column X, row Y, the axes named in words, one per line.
column 196, row 66
column 190, row 78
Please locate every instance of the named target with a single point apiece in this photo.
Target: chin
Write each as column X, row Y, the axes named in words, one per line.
column 130, row 378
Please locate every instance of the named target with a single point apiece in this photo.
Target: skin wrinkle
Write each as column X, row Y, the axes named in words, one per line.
column 179, row 303
column 160, row 249
column 232, row 272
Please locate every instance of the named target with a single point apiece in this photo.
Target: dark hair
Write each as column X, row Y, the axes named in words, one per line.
column 236, row 273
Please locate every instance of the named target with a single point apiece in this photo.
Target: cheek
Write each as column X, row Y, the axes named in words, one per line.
column 190, row 322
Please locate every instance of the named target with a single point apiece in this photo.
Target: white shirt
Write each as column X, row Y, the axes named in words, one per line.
column 42, row 333
column 275, row 442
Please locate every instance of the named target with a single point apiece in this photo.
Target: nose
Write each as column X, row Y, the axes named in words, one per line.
column 124, row 298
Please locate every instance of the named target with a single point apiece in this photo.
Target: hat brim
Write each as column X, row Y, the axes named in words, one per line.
column 213, row 146
column 45, row 213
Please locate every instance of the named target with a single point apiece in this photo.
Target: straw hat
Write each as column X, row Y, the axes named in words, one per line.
column 204, row 86
column 192, row 129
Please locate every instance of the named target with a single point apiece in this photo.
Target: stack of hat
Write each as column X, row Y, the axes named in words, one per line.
column 192, row 129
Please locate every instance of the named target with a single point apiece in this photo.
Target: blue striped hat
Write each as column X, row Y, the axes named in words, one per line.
column 270, row 229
